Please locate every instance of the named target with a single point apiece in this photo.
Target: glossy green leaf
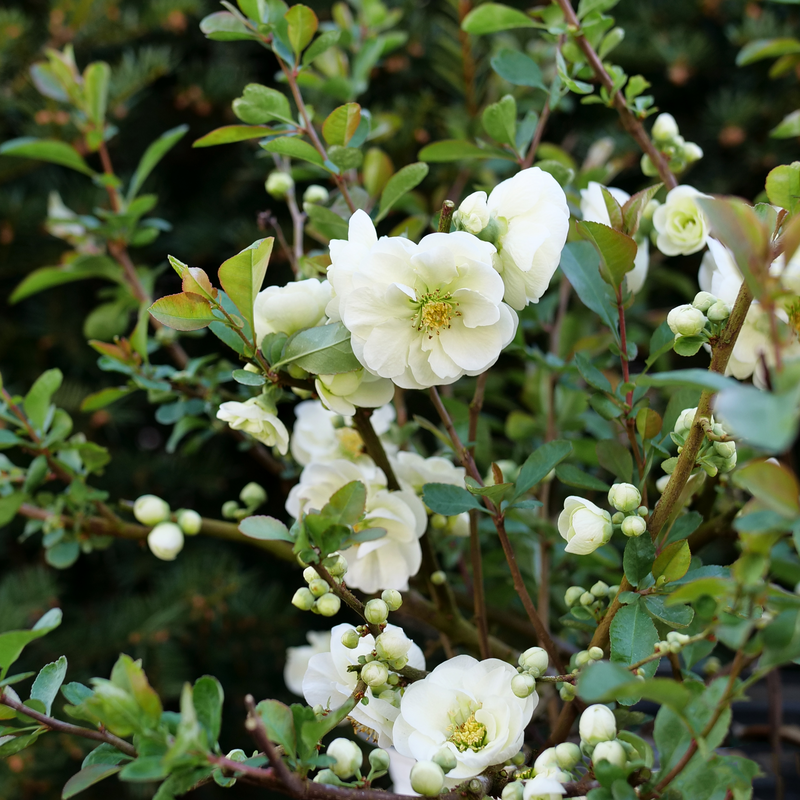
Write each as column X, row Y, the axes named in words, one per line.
column 638, row 559
column 773, row 484
column 183, row 312
column 616, row 458
column 402, row 182
column 9, row 505
column 265, row 528
column 48, row 682
column 448, row 500
column 37, row 400
column 279, row 722
column 341, row 124
column 570, row 475
column 46, row 150
column 783, row 186
column 500, row 120
column 12, row 643
column 242, row 276
column 87, row 777
column 294, row 147
column 788, row 128
column 600, row 681
column 673, row 561
column 634, row 207
column 302, row 24
column 259, row 104
column 580, row 262
column 322, row 43
column 691, row 378
column 154, row 153
column 324, row 350
column 766, row 48
column 494, row 17
column 105, row 397
column 518, row 69
column 633, row 636
column 222, row 26
column 233, row 133
column 539, row 464
column 346, row 505
column 83, row 267
column 327, row 222
column 208, row 697
column 457, row 150
column 616, row 250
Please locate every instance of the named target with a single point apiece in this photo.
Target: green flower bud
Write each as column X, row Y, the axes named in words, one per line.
column 398, row 663
column 438, row 522
column 446, row 759
column 703, row 301
column 612, row 590
column 643, row 511
column 665, row 129
column 595, row 653
column 600, row 589
column 375, row 673
column 719, row 312
column 189, row 521
column 582, row 658
column 392, row 598
column 633, row 526
column 230, row 509
column 310, row 574
column 303, row 599
column 573, row 595
column 318, row 587
column 438, row 578
column 523, row 685
column 376, row 612
column 327, row 777
column 647, row 167
column 535, row 660
column 712, row 666
column 427, row 778
column 392, row 645
column 597, row 724
column 379, row 760
column 253, row 495
column 336, row 565
column 617, row 518
column 691, row 152
column 686, row 320
column 279, row 184
column 612, row 751
column 150, row 510
column 350, row 639
column 315, row 195
column 568, row 755
column 348, row 757
column 328, row 605
column 624, row 497
column 513, row 791
column 567, row 692
column 587, row 598
column 725, row 449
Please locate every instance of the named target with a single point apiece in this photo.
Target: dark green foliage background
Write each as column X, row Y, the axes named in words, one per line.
column 218, row 609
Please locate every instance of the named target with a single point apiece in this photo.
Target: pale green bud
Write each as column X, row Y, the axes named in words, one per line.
column 612, row 751
column 587, row 598
column 595, row 653
column 612, row 590
column 446, row 759
column 719, row 311
column 318, row 587
column 376, row 612
column 310, row 574
column 439, row 578
column 535, row 660
column 712, row 666
column 567, row 692
column 427, row 778
column 230, row 509
column 165, row 541
column 150, row 510
column 691, row 152
column 582, row 658
column 350, row 639
column 336, row 565
column 647, row 166
column 665, row 128
column 392, row 645
column 189, row 521
column 279, row 184
column 523, row 685
column 685, row 421
column 392, row 598
column 253, row 495
column 379, row 760
column 703, row 301
column 686, row 320
column 348, row 757
column 375, row 673
column 617, row 518
column 438, row 522
column 326, row 777
column 624, row 497
column 513, row 791
column 674, row 637
column 597, row 724
column 315, row 195
column 642, row 511
column 328, row 605
column 729, row 463
column 573, row 595
column 600, row 589
column 725, row 449
column 398, row 663
column 568, row 755
column 633, row 526
column 303, row 599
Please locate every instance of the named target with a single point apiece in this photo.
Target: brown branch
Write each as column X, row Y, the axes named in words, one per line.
column 373, row 446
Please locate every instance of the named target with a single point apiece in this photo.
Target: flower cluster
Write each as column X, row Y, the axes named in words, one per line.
column 717, row 452
column 673, row 146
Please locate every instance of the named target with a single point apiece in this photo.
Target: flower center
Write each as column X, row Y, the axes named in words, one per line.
column 434, row 311
column 469, row 735
column 350, row 441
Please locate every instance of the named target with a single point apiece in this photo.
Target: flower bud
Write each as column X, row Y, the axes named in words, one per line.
column 568, row 754
column 664, row 128
column 587, row 598
column 375, row 673
column 674, row 637
column 318, row 587
column 546, row 760
column 685, row 421
column 392, row 598
column 573, row 595
column 633, row 526
column 648, row 167
column 379, row 760
column 691, row 152
column 328, row 605
column 351, row 639
column 567, row 692
column 376, row 612
column 230, row 509
column 612, row 751
column 326, row 777
column 446, row 759
column 513, row 791
column 584, row 525
column 546, row 785
column 253, row 495
column 719, row 312
column 597, row 724
column 348, row 757
column 189, row 521
column 642, row 511
column 600, row 589
column 612, row 590
column 315, row 195
column 582, row 658
column 535, row 660
column 686, row 320
column 279, row 184
column 624, row 497
column 703, row 301
column 617, row 517
column 391, row 645
column 439, row 578
column 523, row 685
column 725, row 449
column 595, row 653
column 473, row 214
column 336, row 565
column 165, row 541
column 303, row 599
column 310, row 574
column 150, row 510
column 427, row 778
column 438, row 522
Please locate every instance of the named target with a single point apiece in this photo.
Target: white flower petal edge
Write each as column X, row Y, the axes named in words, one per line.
column 467, row 706
column 328, row 683
column 290, row 308
column 251, row 417
column 297, row 659
column 584, row 525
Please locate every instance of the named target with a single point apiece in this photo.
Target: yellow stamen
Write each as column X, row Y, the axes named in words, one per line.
column 350, row 441
column 470, row 735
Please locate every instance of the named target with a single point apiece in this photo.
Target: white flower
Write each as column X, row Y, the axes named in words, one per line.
column 468, row 707
column 288, row 309
column 597, row 724
column 584, row 525
column 385, row 563
column 400, row 772
column 681, row 226
column 328, row 683
column 345, row 392
column 323, row 435
column 543, row 787
column 416, row 470
column 297, row 659
column 593, row 209
column 528, row 223
column 251, row 417
column 686, row 320
column 165, row 541
column 420, row 314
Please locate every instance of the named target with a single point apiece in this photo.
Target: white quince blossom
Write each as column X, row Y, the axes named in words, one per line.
column 681, row 226
column 321, row 435
column 584, row 525
column 385, row 563
column 288, row 309
column 254, row 418
column 420, row 314
column 416, row 470
column 543, row 787
column 328, row 683
column 527, row 219
column 593, row 209
column 400, row 772
column 64, row 223
column 297, row 659
column 345, row 392
column 468, row 707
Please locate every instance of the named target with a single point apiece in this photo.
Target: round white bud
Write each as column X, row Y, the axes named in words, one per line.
column 595, row 653
column 642, row 511
column 535, row 660
column 376, row 611
column 150, row 510
column 719, row 312
column 391, row 645
column 446, row 759
column 513, row 791
column 587, row 598
column 392, row 598
column 703, row 301
column 328, row 605
column 523, row 685
column 253, row 495
column 375, row 673
column 725, row 449
column 303, row 599
column 379, row 760
column 624, row 497
column 573, row 595
column 316, row 194
column 597, row 724
column 310, row 574
column 633, row 526
column 427, row 778
column 582, row 658
column 351, row 639
column 279, row 184
column 326, row 777
column 686, row 320
column 318, row 587
column 189, row 521
column 165, row 541
column 685, row 421
column 664, row 128
column 568, row 754
column 617, row 517
column 348, row 757
column 546, row 761
column 612, row 752
column 600, row 589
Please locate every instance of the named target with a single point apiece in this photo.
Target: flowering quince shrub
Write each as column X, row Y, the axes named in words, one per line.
column 482, row 421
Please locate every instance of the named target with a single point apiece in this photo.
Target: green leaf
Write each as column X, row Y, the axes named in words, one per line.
column 145, row 768
column 674, row 616
column 783, row 187
column 638, row 559
column 400, row 183
column 766, row 48
column 324, row 350
column 341, row 124
column 247, row 378
column 660, row 690
column 12, row 643
column 616, row 250
column 327, row 222
column 633, row 637
column 104, row 754
column 586, row 7
column 95, row 89
column 500, row 120
column 634, row 207
column 322, row 43
column 494, row 17
column 580, row 262
column 773, row 484
column 673, row 561
column 222, row 26
column 265, row 528
column 233, row 133
column 692, row 378
column 48, row 682
column 616, row 458
column 346, row 506
column 518, row 69
column 600, row 681
column 694, row 589
column 47, row 150
column 788, row 128
column 591, row 374
column 312, row 731
column 259, row 104
column 37, row 401
column 154, row 153
column 104, row 397
column 302, row 25
column 183, row 312
column 279, row 722
column 83, row 267
column 496, row 493
column 129, row 676
column 447, row 499
column 539, row 464
column 457, row 150
column 243, row 275
column 570, row 475
column 87, row 777
column 294, row 147
column 648, row 423
column 208, row 697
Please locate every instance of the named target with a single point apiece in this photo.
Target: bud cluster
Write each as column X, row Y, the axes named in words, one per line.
column 165, row 540
column 630, row 516
column 533, row 663
column 317, row 596
column 717, row 453
column 678, row 152
column 252, row 496
column 598, row 732
column 674, row 643
column 697, row 322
